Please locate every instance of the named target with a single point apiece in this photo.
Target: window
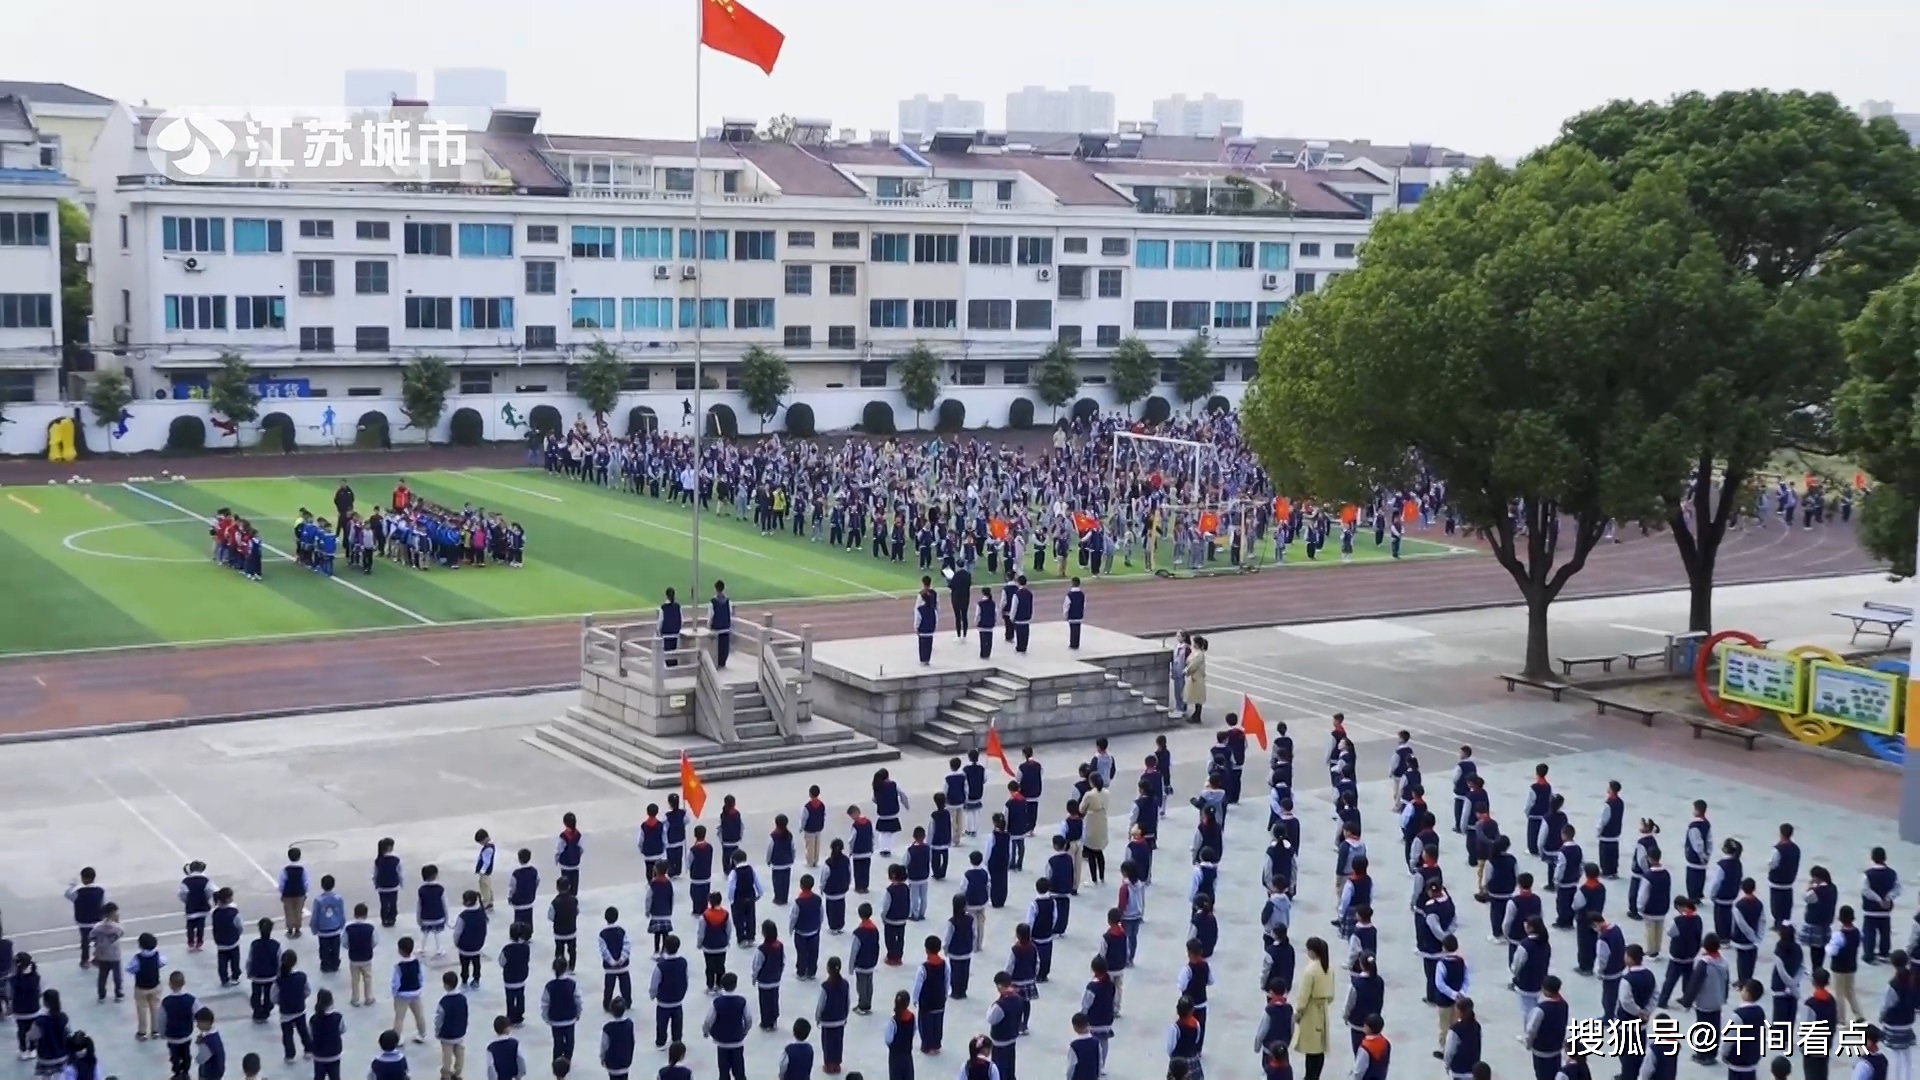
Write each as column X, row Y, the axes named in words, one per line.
column 713, row 314
column 369, row 339
column 1150, row 255
column 843, row 280
column 34, row 311
column 797, row 337
column 486, row 313
column 593, row 242
column 126, row 236
column 896, row 187
column 936, row 248
column 799, row 238
column 989, row 314
column 1003, row 191
column 50, row 152
column 1015, row 373
column 891, row 247
column 315, row 229
column 316, row 277
column 543, row 338
column 592, row 313
column 259, row 313
column 841, row 337
column 714, row 245
column 1232, row 315
column 542, row 234
column 1112, row 283
column 1273, row 256
column 1113, row 245
column 971, row 373
column 678, row 179
column 1068, row 335
column 1149, row 314
column 192, row 234
column 990, row 250
column 1033, row 315
column 256, row 236
column 799, row 279
column 476, row 381
column 421, row 238
column 1072, row 283
column 846, row 241
column 753, row 313
column 873, row 375
column 652, row 245
column 25, row 229
column 1235, row 255
column 543, row 277
column 486, row 241
column 1106, row 337
column 1343, row 251
column 1309, row 251
column 1187, row 315
column 370, row 278
column 887, row 314
column 183, row 312
column 1192, row 255
column 637, row 377
column 753, row 245
column 1303, row 282
column 316, row 339
column 372, row 230
column 126, row 305
column 1268, row 311
column 683, row 377
column 1036, row 251
column 1074, row 245
column 960, row 190
column 936, row 314
column 646, row 313
column 429, row 312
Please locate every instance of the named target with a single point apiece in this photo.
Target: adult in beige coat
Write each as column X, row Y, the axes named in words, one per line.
column 1197, row 678
column 1093, row 837
column 1312, row 998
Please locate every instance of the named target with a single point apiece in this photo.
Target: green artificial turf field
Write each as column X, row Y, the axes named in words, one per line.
column 120, row 565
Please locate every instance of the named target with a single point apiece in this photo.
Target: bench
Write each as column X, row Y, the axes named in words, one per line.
column 1568, row 663
column 1634, row 659
column 1701, row 726
column 1554, row 688
column 1885, row 619
column 1602, row 705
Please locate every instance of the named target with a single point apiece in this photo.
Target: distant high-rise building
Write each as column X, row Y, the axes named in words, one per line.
column 1179, row 115
column 928, row 115
column 375, row 88
column 1075, row 110
column 1909, row 122
column 469, row 88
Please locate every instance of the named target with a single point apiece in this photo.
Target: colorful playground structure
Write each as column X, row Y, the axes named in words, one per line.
column 1817, row 696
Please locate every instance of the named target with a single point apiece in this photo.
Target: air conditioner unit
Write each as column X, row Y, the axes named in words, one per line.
column 191, row 265
column 120, row 333
column 1045, row 273
column 1270, row 282
column 83, row 253
column 689, row 272
column 662, row 273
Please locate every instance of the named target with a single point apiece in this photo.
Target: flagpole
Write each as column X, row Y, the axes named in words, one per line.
column 699, row 288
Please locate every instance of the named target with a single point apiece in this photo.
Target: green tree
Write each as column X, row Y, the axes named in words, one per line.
column 1193, row 371
column 777, row 129
column 1058, row 378
column 230, row 392
column 602, row 374
column 1512, row 337
column 108, row 394
column 1135, row 371
column 920, row 380
column 424, row 387
column 1876, row 416
column 764, row 380
column 76, row 289
column 1810, row 204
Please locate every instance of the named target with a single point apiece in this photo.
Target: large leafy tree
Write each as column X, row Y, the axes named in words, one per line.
column 1816, row 208
column 1194, row 370
column 1135, row 371
column 232, row 394
column 1876, row 416
column 765, row 381
column 920, row 380
column 424, row 386
column 1058, row 377
column 602, row 374
column 1505, row 338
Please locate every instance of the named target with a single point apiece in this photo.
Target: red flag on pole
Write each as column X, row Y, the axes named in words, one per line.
column 691, row 789
column 728, row 26
column 997, row 751
column 1251, row 721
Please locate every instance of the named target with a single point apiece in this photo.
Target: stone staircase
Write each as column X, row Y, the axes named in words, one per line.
column 624, row 751
column 1150, row 704
column 962, row 726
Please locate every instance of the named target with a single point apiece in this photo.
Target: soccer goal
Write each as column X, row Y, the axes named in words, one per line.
column 1186, row 470
column 1205, row 538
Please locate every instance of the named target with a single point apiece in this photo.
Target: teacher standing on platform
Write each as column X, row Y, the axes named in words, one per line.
column 926, row 619
column 720, row 621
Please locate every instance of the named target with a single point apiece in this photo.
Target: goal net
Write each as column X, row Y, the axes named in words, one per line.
column 1178, row 470
column 1220, row 536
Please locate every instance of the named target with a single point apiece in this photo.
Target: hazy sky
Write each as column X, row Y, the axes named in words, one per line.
column 1483, row 76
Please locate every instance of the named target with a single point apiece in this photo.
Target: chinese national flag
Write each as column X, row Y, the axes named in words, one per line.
column 1282, row 507
column 1209, row 523
column 691, row 789
column 1349, row 515
column 1251, row 721
column 1409, row 511
column 728, row 26
column 997, row 751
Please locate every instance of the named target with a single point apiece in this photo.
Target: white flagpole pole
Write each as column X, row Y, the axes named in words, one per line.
column 699, row 287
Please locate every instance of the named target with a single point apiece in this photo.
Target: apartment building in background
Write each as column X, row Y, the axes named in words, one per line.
column 1206, row 116
column 1909, row 122
column 925, row 115
column 376, row 88
column 1075, row 110
column 32, row 185
column 469, row 88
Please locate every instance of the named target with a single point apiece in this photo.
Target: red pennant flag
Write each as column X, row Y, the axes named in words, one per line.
column 691, row 789
column 997, row 751
column 728, row 26
column 1251, row 721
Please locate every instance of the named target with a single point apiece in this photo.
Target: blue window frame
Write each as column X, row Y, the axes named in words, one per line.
column 753, row 245
column 1192, row 255
column 960, row 190
column 256, row 236
column 1234, row 254
column 753, row 313
column 646, row 312
column 196, row 312
column 593, row 242
column 713, row 314
column 1232, row 314
column 1150, row 255
column 714, row 244
column 486, row 241
column 892, row 247
column 259, row 313
column 593, row 313
column 1303, row 283
column 486, row 312
column 887, row 314
column 1268, row 311
column 193, row 234
column 1275, row 256
column 646, row 244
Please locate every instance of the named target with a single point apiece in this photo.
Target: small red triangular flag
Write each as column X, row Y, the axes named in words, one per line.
column 691, row 789
column 1251, row 722
column 997, row 751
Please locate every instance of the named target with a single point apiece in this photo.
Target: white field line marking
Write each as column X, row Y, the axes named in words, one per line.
column 471, row 475
column 431, row 660
column 71, row 541
column 1323, row 703
column 41, row 681
column 277, row 553
column 20, row 502
column 749, row 552
column 1641, row 629
column 140, row 817
column 201, row 818
column 67, row 931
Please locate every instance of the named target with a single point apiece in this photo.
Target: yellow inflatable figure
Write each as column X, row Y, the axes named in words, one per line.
column 60, row 441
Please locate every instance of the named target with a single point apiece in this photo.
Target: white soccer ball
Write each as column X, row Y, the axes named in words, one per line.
column 52, row 481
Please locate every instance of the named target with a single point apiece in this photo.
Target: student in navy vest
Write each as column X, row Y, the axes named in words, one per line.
column 796, row 1061
column 617, row 1041
column 560, row 1009
column 1460, row 1052
column 931, row 988
column 962, row 940
column 1634, row 1005
column 470, row 936
column 926, row 619
column 504, row 1059
column 196, row 896
column 290, row 995
column 263, row 967
column 1879, row 888
column 409, row 982
column 780, row 858
column 616, row 961
column 1743, row 1041
column 1022, row 615
column 700, row 856
column 293, row 893
column 450, row 1020
column 669, row 628
column 1545, row 1033
column 667, row 989
column 176, row 1025
column 568, row 850
column 729, row 1019
column 387, row 881
column 1099, row 1008
column 1006, row 1020
column 676, row 818
column 1783, row 871
column 898, row 1038
column 720, row 623
column 391, row 1064
column 983, row 619
column 831, row 1012
column 1074, row 610
column 804, row 923
column 1843, row 959
column 523, row 888
column 769, row 966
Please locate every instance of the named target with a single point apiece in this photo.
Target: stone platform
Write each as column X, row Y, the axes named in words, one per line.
column 1113, row 684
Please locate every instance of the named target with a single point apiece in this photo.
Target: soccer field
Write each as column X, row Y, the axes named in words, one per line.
column 122, row 565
